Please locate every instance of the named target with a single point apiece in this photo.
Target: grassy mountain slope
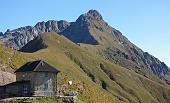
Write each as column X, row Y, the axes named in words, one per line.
column 97, row 79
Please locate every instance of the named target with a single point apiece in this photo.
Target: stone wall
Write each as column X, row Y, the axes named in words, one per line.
column 39, row 80
column 18, row 89
column 13, row 89
column 6, row 77
column 24, row 76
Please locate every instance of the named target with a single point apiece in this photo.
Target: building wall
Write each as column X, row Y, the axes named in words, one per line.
column 15, row 89
column 21, row 89
column 42, row 83
column 2, row 91
column 24, row 76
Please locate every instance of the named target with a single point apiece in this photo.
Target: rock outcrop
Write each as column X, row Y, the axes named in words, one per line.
column 6, row 75
column 1, row 34
column 19, row 37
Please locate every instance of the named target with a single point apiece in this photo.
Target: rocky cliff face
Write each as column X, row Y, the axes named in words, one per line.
column 6, row 75
column 1, row 34
column 19, row 37
column 51, row 25
column 80, row 31
column 95, row 35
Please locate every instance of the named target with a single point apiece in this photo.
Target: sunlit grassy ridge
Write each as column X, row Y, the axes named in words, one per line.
column 11, row 57
column 97, row 80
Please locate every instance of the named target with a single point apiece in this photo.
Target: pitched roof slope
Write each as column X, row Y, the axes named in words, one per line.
column 37, row 66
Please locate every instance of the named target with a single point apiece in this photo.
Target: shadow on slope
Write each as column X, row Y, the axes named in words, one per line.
column 34, row 45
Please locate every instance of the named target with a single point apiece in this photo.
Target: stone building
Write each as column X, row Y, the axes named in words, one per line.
column 35, row 78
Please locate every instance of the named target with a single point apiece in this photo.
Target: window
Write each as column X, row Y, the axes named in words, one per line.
column 25, row 89
column 45, row 86
column 46, row 74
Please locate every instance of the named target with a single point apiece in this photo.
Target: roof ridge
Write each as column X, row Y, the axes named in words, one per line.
column 37, row 66
column 40, row 61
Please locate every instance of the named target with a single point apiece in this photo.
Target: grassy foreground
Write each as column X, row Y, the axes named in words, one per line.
column 50, row 100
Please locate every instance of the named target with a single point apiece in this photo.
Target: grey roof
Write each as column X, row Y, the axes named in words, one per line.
column 37, row 66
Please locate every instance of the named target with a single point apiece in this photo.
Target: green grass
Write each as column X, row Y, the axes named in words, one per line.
column 52, row 100
column 96, row 80
column 48, row 101
column 80, row 101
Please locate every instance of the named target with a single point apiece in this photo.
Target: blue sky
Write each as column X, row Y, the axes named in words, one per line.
column 144, row 22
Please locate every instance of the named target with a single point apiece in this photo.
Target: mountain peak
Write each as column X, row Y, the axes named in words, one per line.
column 1, row 34
column 95, row 14
column 91, row 15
